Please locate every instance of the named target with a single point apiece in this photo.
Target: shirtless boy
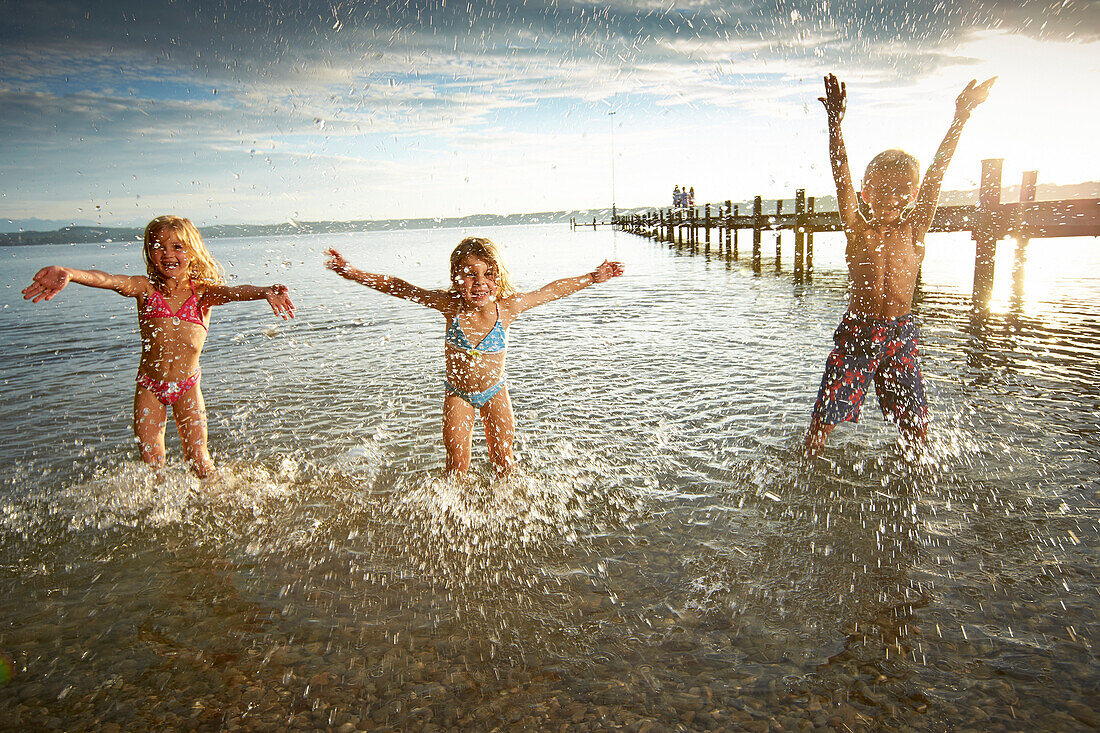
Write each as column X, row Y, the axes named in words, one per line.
column 877, row 338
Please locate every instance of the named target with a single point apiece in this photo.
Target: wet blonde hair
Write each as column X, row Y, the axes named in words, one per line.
column 483, row 249
column 894, row 161
column 201, row 268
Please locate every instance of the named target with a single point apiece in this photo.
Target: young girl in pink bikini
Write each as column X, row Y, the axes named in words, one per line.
column 479, row 307
column 173, row 303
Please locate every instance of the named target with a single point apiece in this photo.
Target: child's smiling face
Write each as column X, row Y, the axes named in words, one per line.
column 168, row 254
column 888, row 192
column 475, row 281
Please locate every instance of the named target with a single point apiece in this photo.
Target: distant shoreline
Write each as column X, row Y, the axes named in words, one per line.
column 104, row 234
column 98, row 234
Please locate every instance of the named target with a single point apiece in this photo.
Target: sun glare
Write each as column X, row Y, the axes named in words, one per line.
column 1042, row 112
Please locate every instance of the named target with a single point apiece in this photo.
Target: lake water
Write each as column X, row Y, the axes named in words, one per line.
column 664, row 559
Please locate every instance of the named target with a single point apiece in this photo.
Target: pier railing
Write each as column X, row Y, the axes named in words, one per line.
column 988, row 222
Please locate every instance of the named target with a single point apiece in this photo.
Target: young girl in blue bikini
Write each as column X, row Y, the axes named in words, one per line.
column 479, row 307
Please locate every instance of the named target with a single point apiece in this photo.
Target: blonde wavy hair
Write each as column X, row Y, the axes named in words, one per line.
column 483, row 249
column 202, row 268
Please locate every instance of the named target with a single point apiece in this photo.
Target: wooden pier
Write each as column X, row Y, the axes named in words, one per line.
column 987, row 222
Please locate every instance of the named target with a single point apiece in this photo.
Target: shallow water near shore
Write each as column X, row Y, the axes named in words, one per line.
column 663, row 559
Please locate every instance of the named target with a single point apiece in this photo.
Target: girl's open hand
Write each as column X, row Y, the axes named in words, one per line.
column 973, row 95
column 48, row 282
column 835, row 99
column 336, row 262
column 606, row 271
column 279, row 298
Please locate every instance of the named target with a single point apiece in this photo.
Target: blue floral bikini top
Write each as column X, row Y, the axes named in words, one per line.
column 494, row 342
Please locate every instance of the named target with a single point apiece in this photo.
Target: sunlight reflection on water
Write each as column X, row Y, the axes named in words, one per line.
column 662, row 549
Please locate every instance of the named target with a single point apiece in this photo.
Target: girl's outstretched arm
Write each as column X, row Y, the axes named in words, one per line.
column 395, row 286
column 566, row 286
column 49, row 281
column 278, row 296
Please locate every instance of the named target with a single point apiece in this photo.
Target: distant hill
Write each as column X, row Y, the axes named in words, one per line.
column 84, row 234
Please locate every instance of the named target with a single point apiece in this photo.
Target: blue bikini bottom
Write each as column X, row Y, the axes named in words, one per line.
column 477, row 399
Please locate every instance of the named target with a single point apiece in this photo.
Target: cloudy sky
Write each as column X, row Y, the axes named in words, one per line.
column 239, row 111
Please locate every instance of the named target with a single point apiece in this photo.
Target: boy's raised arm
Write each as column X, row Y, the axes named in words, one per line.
column 836, row 102
column 929, row 196
column 565, row 286
column 395, row 286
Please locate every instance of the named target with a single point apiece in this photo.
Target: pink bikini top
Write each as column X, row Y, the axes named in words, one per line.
column 156, row 307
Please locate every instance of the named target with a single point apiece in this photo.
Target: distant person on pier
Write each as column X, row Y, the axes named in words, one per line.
column 478, row 308
column 877, row 338
column 691, row 196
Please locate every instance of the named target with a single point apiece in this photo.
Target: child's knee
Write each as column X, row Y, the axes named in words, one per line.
column 194, row 424
column 151, row 451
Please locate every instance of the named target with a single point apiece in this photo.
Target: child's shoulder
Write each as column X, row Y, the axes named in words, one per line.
column 450, row 304
column 142, row 286
column 201, row 287
column 510, row 304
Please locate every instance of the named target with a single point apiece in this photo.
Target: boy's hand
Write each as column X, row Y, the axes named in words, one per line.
column 606, row 271
column 278, row 296
column 973, row 95
column 336, row 262
column 48, row 282
column 835, row 99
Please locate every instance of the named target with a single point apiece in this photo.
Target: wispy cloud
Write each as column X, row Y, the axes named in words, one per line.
column 180, row 103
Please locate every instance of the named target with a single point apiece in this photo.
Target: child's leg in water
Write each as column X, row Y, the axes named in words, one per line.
column 816, row 436
column 150, row 417
column 458, row 432
column 500, row 430
column 190, row 414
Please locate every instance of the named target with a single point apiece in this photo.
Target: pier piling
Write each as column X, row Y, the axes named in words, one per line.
column 985, row 234
column 729, row 223
column 757, row 223
column 736, row 213
column 810, row 240
column 800, row 234
column 1019, row 262
column 778, row 234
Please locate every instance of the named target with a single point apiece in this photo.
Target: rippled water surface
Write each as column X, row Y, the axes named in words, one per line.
column 664, row 560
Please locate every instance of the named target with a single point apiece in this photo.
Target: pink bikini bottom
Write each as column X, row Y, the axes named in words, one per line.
column 168, row 392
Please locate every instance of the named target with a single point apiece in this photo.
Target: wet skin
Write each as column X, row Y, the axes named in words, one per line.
column 473, row 300
column 170, row 347
column 170, row 351
column 476, row 309
column 884, row 255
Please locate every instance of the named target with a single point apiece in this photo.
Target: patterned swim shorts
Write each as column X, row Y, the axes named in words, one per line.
column 873, row 348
